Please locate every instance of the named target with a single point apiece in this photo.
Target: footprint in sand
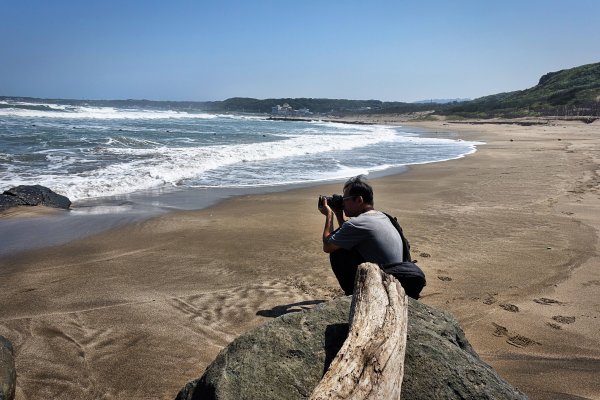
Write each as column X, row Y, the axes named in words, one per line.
column 514, row 340
column 547, row 302
column 499, row 330
column 554, row 326
column 509, row 307
column 490, row 299
column 520, row 341
column 563, row 320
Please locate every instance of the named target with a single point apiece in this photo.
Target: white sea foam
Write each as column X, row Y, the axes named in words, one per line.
column 163, row 165
column 240, row 117
column 102, row 113
column 232, row 151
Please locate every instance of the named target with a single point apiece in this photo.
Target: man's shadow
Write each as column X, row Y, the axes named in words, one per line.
column 278, row 311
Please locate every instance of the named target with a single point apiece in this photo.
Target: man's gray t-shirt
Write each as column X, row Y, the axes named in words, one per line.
column 373, row 236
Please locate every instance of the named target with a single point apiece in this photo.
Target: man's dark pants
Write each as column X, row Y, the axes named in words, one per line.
column 344, row 264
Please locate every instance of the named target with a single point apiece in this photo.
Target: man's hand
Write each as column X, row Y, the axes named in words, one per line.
column 324, row 207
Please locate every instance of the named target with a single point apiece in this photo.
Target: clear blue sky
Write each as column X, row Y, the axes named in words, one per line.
column 212, row 50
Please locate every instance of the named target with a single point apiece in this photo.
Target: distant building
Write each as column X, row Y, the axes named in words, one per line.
column 286, row 110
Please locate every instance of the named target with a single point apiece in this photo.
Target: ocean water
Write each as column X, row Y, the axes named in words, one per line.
column 122, row 165
column 95, row 152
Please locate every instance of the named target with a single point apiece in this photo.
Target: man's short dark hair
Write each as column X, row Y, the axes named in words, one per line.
column 358, row 186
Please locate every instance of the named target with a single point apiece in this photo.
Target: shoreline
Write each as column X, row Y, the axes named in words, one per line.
column 508, row 238
column 54, row 227
column 96, row 215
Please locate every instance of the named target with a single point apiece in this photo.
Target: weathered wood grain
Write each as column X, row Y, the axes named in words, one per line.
column 370, row 364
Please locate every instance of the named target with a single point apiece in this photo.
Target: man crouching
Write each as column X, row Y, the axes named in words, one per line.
column 368, row 236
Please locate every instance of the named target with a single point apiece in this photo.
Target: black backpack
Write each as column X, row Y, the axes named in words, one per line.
column 405, row 243
column 407, row 267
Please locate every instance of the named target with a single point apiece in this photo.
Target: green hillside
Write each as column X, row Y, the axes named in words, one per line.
column 568, row 92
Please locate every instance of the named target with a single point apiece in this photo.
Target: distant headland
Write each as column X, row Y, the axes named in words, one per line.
column 570, row 92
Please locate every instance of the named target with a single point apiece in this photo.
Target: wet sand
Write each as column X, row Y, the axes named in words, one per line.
column 508, row 238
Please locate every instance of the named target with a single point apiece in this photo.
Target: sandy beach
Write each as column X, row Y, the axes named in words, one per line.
column 508, row 238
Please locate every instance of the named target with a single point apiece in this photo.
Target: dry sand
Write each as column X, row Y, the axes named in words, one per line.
column 508, row 238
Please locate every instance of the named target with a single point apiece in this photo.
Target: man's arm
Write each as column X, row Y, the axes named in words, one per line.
column 327, row 232
column 328, row 229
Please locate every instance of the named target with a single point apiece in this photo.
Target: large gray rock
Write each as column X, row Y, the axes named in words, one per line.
column 287, row 357
column 32, row 195
column 8, row 374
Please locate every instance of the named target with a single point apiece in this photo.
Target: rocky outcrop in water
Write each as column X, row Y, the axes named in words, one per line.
column 8, row 374
column 287, row 357
column 32, row 195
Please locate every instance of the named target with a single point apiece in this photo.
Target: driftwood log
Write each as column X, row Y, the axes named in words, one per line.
column 370, row 364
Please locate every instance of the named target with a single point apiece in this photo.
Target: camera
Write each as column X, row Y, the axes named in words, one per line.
column 336, row 201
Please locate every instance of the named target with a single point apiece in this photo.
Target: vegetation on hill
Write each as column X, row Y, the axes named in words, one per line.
column 234, row 104
column 570, row 92
column 321, row 106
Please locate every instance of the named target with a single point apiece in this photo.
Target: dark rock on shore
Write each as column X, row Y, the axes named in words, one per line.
column 287, row 357
column 8, row 201
column 32, row 195
column 8, row 374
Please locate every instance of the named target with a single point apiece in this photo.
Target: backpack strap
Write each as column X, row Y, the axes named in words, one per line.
column 405, row 244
